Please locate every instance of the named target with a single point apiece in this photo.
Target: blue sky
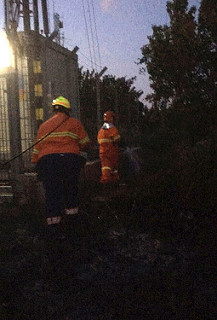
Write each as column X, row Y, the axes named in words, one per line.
column 122, row 29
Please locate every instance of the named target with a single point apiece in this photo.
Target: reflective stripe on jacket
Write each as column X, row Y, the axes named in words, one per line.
column 108, row 140
column 70, row 137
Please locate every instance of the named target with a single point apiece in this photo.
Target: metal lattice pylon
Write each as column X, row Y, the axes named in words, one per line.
column 12, row 15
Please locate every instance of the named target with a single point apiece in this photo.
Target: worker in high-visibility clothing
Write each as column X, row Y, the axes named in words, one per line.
column 58, row 162
column 108, row 140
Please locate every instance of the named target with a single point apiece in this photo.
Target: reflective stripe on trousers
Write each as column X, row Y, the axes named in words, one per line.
column 71, row 211
column 109, row 174
column 53, row 220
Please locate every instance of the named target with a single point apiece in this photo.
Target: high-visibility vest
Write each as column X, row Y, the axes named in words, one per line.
column 108, row 140
column 70, row 137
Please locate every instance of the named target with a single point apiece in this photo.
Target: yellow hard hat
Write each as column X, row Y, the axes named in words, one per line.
column 61, row 101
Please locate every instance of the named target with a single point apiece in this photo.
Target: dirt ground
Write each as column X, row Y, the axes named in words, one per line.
column 122, row 260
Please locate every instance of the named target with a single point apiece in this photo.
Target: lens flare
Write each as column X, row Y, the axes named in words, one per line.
column 6, row 55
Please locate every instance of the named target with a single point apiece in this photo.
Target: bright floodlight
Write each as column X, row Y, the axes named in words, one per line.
column 6, row 56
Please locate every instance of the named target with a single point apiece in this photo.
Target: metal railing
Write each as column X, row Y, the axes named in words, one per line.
column 15, row 124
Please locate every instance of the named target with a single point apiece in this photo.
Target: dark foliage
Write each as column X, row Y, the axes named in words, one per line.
column 179, row 130
column 130, row 258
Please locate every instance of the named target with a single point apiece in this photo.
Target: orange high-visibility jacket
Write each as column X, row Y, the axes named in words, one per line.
column 108, row 140
column 70, row 137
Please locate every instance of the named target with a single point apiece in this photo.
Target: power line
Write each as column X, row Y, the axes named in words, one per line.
column 91, row 32
column 70, row 40
column 93, row 40
column 85, row 64
column 89, row 59
column 53, row 7
column 97, row 39
column 88, row 39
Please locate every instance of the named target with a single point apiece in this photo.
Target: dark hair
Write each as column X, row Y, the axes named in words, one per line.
column 58, row 108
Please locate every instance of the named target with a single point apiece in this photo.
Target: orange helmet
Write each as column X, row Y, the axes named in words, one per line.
column 109, row 116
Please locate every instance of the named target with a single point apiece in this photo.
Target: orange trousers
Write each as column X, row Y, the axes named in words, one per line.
column 109, row 168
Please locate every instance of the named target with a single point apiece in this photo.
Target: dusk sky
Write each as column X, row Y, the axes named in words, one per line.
column 122, row 29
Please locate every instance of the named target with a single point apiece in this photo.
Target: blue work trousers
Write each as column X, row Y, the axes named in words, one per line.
column 59, row 173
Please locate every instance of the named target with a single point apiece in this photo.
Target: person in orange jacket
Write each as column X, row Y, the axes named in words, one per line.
column 108, row 139
column 60, row 139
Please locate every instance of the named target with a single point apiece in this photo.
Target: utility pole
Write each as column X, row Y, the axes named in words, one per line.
column 98, row 75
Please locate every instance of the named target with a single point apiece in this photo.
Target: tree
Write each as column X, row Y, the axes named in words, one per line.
column 207, row 27
column 180, row 127
column 171, row 57
column 207, row 19
column 181, row 61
